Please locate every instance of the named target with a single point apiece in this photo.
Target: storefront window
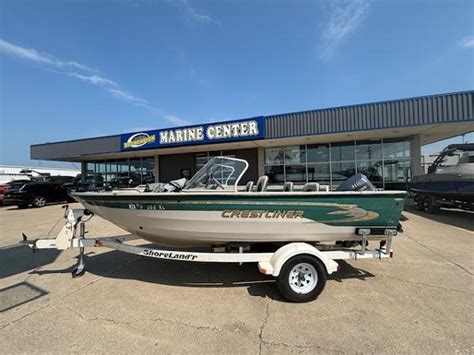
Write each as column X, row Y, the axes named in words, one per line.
column 369, row 160
column 274, row 156
column 318, row 163
column 396, row 150
column 134, row 178
column 318, row 153
column 319, row 172
column 373, row 170
column 343, row 164
column 369, row 150
column 274, row 165
column 122, row 172
column 343, row 151
column 295, row 164
column 110, row 171
column 148, row 170
column 385, row 163
column 275, row 173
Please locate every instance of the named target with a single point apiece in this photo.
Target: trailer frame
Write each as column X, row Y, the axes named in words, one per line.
column 312, row 263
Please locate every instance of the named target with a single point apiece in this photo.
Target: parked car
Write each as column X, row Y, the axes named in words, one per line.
column 89, row 183
column 37, row 194
column 16, row 184
column 67, row 181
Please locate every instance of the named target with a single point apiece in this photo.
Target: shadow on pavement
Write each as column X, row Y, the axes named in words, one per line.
column 18, row 258
column 18, row 294
column 453, row 217
column 120, row 265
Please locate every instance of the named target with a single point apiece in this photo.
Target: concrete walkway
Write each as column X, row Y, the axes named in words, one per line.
column 421, row 301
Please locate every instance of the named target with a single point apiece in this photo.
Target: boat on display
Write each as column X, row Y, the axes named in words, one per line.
column 449, row 181
column 213, row 209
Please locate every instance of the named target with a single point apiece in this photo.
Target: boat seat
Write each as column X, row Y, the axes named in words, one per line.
column 311, row 186
column 324, row 188
column 288, row 186
column 249, row 186
column 262, row 183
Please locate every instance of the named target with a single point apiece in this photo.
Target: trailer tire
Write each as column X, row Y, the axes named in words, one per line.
column 302, row 278
column 418, row 202
column 429, row 205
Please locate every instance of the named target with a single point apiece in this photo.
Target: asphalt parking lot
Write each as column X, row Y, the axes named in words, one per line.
column 422, row 300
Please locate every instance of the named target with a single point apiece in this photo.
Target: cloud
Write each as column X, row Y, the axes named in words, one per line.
column 345, row 16
column 94, row 79
column 178, row 121
column 466, row 42
column 125, row 96
column 35, row 56
column 193, row 14
column 85, row 74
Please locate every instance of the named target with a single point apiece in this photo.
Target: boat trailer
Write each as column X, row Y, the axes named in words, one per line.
column 300, row 268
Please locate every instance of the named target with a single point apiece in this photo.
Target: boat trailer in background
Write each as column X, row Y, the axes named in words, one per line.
column 300, row 268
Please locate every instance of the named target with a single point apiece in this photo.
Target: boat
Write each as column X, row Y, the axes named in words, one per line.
column 213, row 209
column 449, row 181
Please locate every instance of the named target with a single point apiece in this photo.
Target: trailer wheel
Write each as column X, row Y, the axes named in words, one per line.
column 302, row 278
column 429, row 205
column 418, row 201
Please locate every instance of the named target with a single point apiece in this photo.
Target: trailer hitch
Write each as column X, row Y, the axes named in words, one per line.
column 30, row 243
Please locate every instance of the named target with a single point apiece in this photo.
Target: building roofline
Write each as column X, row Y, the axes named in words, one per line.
column 373, row 103
column 273, row 115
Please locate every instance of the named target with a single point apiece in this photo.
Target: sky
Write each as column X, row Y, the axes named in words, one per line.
column 77, row 69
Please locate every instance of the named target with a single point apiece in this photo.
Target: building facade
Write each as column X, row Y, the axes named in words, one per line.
column 382, row 140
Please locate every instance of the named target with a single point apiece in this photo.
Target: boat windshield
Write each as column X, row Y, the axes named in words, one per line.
column 218, row 173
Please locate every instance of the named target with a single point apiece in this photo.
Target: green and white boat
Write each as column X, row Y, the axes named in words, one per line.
column 212, row 209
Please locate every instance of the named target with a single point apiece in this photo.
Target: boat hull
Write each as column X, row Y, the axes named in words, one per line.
column 211, row 219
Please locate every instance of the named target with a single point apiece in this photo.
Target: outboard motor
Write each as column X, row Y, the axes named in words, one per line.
column 358, row 182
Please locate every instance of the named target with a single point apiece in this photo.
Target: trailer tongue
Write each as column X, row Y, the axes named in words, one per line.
column 300, row 268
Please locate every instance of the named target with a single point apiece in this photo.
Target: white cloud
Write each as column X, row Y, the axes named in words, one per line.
column 178, row 121
column 67, row 67
column 192, row 13
column 129, row 97
column 95, row 80
column 345, row 16
column 466, row 42
column 35, row 56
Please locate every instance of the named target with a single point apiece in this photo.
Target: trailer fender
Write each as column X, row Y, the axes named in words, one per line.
column 286, row 252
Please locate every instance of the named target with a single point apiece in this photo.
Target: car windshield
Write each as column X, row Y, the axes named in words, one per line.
column 219, row 173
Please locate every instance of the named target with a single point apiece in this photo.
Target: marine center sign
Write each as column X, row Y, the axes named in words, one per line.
column 241, row 130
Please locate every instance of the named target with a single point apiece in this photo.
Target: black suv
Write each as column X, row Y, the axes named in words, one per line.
column 36, row 194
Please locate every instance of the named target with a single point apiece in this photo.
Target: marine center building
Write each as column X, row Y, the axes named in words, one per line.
column 382, row 140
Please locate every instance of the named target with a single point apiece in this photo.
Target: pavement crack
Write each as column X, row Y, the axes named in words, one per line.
column 264, row 323
column 426, row 284
column 154, row 319
column 302, row 347
column 69, row 293
column 23, row 317
column 440, row 255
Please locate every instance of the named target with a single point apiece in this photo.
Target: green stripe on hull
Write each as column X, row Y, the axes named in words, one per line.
column 364, row 210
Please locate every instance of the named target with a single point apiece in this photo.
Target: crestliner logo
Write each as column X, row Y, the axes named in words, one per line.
column 262, row 214
column 139, row 140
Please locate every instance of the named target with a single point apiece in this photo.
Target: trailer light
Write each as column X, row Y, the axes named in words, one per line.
column 338, row 267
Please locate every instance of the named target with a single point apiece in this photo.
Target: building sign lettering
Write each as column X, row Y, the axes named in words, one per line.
column 249, row 129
